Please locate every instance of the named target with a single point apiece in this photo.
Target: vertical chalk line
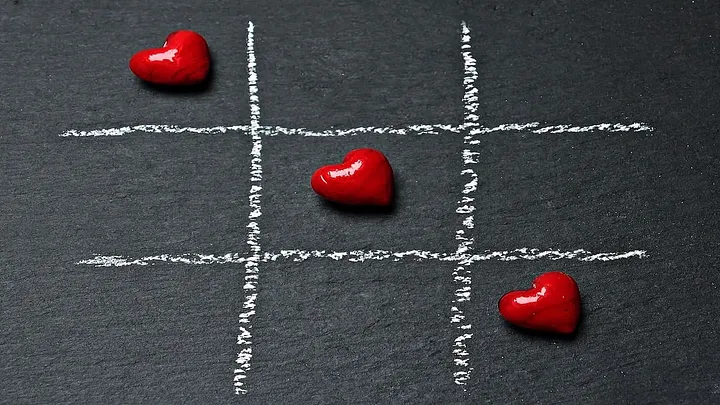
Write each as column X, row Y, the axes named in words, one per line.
column 462, row 274
column 252, row 270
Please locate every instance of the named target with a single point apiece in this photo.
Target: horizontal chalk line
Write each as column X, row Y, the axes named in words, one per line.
column 364, row 255
column 154, row 129
column 121, row 261
column 424, row 129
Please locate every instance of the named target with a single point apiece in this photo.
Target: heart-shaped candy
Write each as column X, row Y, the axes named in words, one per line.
column 363, row 178
column 551, row 305
column 183, row 60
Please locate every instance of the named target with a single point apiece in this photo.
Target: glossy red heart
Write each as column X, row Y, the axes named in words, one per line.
column 183, row 60
column 363, row 178
column 551, row 305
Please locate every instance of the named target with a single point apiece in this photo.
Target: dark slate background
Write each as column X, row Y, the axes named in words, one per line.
column 376, row 332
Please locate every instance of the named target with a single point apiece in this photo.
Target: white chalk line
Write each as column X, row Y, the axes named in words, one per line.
column 190, row 258
column 420, row 129
column 154, row 129
column 360, row 256
column 462, row 273
column 252, row 271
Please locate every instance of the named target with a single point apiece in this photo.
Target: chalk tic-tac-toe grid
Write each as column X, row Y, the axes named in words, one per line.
column 464, row 257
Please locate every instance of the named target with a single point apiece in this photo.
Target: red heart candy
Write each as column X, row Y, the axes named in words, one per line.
column 551, row 305
column 183, row 60
column 363, row 178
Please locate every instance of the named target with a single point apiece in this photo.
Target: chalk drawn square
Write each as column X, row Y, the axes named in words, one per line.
column 396, row 330
column 294, row 217
column 554, row 191
column 130, row 196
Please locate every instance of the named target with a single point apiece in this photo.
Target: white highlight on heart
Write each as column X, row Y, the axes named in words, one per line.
column 252, row 271
column 355, row 166
column 167, row 55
